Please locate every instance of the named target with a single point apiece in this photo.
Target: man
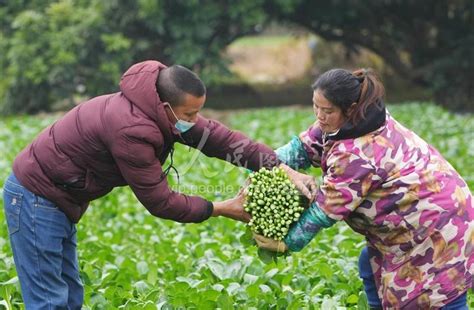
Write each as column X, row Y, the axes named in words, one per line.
column 113, row 140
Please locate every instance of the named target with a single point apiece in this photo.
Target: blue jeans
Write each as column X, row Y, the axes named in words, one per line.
column 367, row 276
column 43, row 241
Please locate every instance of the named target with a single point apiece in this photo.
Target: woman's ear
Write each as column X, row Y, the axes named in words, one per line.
column 351, row 109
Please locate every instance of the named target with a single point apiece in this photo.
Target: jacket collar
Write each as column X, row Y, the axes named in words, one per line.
column 374, row 119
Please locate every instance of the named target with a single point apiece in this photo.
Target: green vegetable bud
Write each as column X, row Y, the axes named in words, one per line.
column 273, row 202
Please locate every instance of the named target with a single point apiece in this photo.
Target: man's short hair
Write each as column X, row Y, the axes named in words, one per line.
column 175, row 82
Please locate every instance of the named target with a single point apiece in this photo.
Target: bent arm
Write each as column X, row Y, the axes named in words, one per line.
column 293, row 154
column 216, row 140
column 310, row 223
column 141, row 169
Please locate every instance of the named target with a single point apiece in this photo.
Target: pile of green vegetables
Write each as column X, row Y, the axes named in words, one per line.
column 273, row 202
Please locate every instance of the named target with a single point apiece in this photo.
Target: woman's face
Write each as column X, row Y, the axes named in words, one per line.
column 329, row 116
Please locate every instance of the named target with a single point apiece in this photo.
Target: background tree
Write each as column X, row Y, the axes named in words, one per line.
column 50, row 50
column 53, row 51
column 430, row 43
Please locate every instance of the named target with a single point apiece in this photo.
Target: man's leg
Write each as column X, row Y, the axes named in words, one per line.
column 37, row 231
column 367, row 275
column 71, row 272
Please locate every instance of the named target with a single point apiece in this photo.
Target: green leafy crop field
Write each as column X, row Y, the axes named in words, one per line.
column 131, row 260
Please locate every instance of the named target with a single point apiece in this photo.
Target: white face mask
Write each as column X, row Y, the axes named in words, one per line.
column 181, row 125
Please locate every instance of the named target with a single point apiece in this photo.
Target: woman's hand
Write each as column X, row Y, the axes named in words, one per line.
column 232, row 208
column 304, row 183
column 270, row 244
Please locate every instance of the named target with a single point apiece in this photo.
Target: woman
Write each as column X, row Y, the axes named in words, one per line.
column 385, row 182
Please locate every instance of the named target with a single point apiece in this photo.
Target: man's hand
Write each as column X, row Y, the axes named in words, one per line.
column 232, row 208
column 304, row 183
column 270, row 244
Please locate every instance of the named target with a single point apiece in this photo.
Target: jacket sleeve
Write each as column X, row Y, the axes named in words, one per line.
column 346, row 184
column 134, row 151
column 294, row 154
column 312, row 142
column 309, row 224
column 216, row 140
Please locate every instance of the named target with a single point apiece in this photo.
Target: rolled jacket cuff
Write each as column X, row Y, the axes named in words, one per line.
column 209, row 208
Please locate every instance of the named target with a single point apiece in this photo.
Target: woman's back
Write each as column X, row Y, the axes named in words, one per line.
column 416, row 211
